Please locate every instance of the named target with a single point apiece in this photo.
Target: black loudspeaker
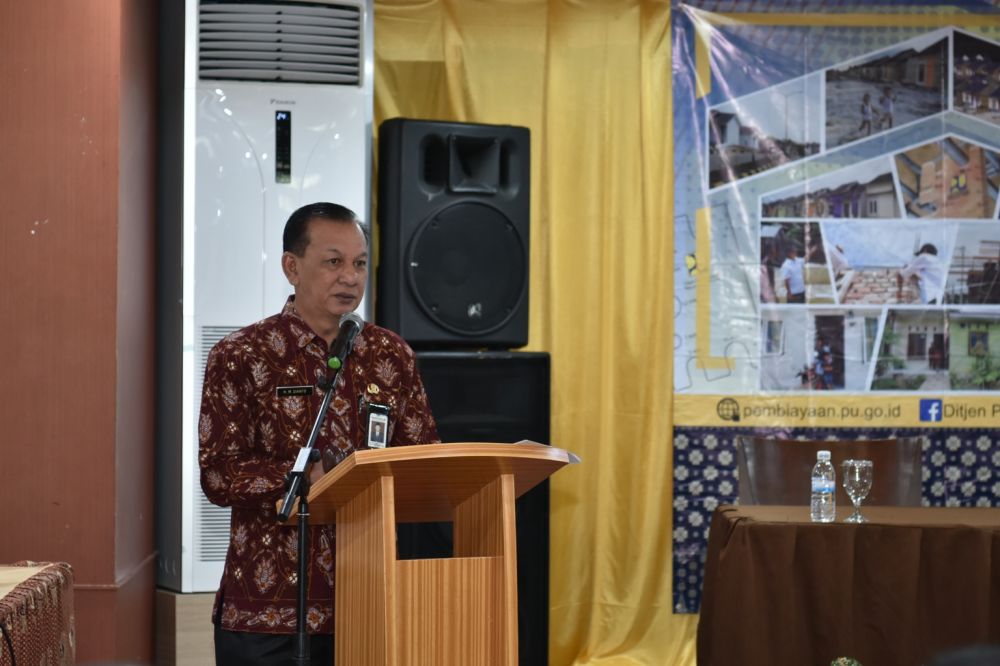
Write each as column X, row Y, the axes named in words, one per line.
column 495, row 397
column 453, row 209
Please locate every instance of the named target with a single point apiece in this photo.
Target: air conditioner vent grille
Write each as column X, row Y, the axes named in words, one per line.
column 280, row 41
column 214, row 541
column 213, row 521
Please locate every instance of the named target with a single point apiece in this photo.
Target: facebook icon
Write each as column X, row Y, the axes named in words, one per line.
column 930, row 410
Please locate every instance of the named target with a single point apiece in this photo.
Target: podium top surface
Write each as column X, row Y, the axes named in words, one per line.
column 431, row 479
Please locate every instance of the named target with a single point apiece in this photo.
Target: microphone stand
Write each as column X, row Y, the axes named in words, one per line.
column 298, row 488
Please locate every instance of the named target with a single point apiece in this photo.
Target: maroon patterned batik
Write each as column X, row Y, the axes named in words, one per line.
column 253, row 422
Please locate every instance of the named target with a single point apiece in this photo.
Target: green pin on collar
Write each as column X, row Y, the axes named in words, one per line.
column 334, row 363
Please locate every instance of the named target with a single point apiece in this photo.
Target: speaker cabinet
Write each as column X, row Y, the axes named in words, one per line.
column 496, row 397
column 453, row 210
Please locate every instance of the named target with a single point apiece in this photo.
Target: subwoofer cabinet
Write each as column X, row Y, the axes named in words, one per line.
column 495, row 397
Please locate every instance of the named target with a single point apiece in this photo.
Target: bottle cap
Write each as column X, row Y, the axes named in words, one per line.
column 822, row 455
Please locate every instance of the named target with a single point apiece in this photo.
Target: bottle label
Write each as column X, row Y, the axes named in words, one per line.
column 823, row 486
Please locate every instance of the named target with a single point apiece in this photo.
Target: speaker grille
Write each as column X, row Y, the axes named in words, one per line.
column 304, row 42
column 454, row 209
column 468, row 268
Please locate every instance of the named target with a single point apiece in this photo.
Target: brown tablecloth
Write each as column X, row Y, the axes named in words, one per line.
column 912, row 582
column 36, row 612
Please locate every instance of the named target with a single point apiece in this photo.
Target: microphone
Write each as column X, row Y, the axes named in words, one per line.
column 350, row 325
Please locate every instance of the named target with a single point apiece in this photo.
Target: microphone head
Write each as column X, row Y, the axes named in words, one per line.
column 352, row 317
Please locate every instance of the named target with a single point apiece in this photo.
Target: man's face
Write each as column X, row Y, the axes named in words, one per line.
column 330, row 277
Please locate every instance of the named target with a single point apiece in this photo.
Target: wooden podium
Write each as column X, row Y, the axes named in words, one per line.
column 459, row 611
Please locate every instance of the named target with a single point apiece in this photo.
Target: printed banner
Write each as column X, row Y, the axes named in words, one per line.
column 837, row 240
column 837, row 210
column 798, row 411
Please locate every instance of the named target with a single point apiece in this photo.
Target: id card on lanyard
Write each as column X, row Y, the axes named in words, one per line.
column 378, row 426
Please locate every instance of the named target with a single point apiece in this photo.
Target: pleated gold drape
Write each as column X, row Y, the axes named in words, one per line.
column 591, row 80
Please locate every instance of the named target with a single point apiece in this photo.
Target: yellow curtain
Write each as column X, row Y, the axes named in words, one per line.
column 592, row 82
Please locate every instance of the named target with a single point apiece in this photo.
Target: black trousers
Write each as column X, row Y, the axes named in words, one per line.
column 241, row 648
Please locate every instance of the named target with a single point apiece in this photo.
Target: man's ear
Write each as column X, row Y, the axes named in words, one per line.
column 290, row 266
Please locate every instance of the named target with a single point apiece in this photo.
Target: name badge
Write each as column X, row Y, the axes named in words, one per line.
column 378, row 426
column 291, row 391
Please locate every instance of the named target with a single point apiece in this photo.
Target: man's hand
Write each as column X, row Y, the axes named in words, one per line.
column 316, row 473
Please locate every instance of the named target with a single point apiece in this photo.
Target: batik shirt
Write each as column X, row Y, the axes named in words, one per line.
column 258, row 405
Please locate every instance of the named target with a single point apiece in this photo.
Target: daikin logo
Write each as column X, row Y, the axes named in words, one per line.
column 931, row 410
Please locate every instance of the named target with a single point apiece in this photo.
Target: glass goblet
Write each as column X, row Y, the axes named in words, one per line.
column 857, row 483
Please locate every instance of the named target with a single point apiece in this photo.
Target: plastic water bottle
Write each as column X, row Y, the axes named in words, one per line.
column 823, row 507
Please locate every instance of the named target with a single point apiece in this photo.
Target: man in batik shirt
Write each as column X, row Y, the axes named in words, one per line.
column 259, row 401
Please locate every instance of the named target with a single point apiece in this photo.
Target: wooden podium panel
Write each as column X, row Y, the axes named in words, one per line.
column 481, row 522
column 365, row 577
column 459, row 611
column 449, row 612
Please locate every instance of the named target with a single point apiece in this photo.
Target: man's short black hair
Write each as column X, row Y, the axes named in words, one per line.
column 927, row 248
column 295, row 238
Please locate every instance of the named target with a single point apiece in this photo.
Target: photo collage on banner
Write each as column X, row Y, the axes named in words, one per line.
column 865, row 270
column 837, row 241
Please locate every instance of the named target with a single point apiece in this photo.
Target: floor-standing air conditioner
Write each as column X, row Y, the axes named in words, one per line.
column 264, row 106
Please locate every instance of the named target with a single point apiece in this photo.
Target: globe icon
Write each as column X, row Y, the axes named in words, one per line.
column 728, row 409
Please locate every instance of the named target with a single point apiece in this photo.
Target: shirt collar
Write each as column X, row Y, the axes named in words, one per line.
column 297, row 327
column 300, row 331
